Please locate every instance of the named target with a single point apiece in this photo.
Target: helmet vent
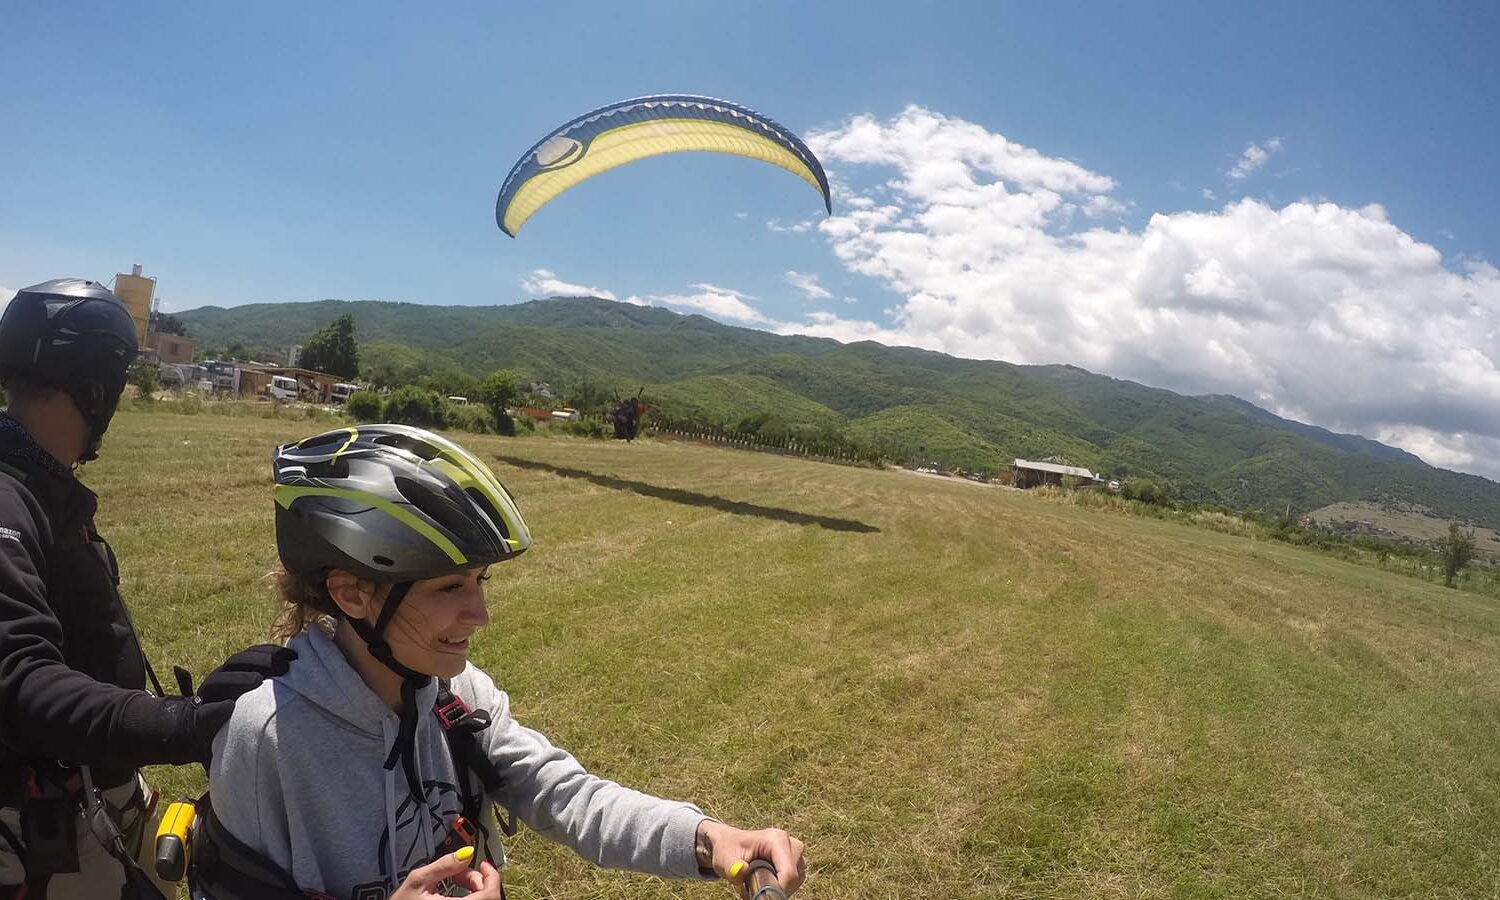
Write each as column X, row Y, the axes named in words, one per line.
column 384, row 560
column 323, row 440
column 411, row 445
column 437, row 506
column 490, row 512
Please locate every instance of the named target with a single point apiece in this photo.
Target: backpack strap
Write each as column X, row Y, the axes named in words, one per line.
column 461, row 728
column 226, row 869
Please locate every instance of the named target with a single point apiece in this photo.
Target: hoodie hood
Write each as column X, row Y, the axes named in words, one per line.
column 323, row 676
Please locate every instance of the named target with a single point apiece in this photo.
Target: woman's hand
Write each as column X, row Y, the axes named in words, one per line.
column 728, row 845
column 482, row 883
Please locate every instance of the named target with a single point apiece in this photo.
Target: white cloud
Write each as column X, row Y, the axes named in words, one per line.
column 542, row 283
column 794, row 228
column 1330, row 313
column 1098, row 206
column 1209, row 195
column 719, row 302
column 807, row 283
column 1253, row 158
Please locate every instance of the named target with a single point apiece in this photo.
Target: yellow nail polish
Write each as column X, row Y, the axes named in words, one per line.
column 736, row 868
column 463, row 854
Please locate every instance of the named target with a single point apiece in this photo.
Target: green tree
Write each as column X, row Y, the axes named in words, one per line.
column 142, row 374
column 1144, row 490
column 332, row 349
column 1456, row 549
column 237, row 351
column 498, row 391
column 415, row 406
column 586, row 396
column 363, row 406
column 166, row 323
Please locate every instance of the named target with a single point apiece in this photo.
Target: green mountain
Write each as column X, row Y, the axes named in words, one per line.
column 914, row 403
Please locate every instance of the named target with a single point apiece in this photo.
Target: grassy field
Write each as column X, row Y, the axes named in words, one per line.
column 947, row 690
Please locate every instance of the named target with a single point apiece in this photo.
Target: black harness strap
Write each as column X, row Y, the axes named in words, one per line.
column 461, row 728
column 228, row 870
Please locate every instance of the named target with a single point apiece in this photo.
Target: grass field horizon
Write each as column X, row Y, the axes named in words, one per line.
column 946, row 691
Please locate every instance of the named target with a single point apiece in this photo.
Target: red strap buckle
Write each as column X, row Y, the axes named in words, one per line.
column 464, row 831
column 450, row 713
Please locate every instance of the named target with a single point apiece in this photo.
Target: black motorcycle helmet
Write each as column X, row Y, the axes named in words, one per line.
column 75, row 336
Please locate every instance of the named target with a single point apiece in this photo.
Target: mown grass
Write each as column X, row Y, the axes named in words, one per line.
column 947, row 690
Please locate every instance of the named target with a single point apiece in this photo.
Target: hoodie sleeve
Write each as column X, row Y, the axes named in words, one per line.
column 601, row 821
column 47, row 709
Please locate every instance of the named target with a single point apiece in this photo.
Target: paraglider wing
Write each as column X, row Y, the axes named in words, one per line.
column 647, row 126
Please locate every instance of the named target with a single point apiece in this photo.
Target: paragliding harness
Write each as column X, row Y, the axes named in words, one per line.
column 51, row 797
column 221, row 867
column 626, row 415
column 51, row 804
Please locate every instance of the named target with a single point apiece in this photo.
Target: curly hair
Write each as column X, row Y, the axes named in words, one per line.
column 303, row 601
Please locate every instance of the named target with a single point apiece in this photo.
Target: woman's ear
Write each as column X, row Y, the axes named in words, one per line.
column 352, row 595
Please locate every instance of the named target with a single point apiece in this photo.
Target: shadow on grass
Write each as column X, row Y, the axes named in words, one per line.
column 690, row 498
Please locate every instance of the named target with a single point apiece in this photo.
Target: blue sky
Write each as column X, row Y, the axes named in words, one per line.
column 283, row 152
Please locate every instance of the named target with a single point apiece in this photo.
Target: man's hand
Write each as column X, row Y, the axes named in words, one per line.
column 240, row 673
column 244, row 672
column 727, row 845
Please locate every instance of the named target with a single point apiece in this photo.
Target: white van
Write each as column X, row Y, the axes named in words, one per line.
column 341, row 392
column 283, row 388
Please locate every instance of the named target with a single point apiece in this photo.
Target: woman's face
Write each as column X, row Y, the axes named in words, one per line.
column 431, row 629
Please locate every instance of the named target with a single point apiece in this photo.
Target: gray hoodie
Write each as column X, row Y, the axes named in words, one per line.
column 298, row 776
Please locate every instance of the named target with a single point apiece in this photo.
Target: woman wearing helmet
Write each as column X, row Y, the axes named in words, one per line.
column 361, row 771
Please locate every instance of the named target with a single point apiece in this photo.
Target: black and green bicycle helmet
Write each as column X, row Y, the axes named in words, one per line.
column 391, row 504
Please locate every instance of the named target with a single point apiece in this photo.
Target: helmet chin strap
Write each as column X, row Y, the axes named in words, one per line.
column 404, row 749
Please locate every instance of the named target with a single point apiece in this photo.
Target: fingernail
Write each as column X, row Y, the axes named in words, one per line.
column 463, row 854
column 736, row 868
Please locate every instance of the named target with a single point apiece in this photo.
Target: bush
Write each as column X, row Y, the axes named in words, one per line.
column 588, row 428
column 1144, row 490
column 363, row 406
column 474, row 419
column 414, row 406
column 142, row 374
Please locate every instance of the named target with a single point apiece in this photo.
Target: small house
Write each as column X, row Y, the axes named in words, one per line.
column 1028, row 474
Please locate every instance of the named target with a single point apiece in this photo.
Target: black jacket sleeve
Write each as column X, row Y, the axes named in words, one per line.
column 51, row 711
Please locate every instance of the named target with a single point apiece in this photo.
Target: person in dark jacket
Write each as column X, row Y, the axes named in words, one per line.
column 76, row 722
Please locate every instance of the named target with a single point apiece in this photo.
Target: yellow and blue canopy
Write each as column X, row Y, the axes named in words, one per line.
column 624, row 132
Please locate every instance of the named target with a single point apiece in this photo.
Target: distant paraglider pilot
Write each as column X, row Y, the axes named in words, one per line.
column 626, row 416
